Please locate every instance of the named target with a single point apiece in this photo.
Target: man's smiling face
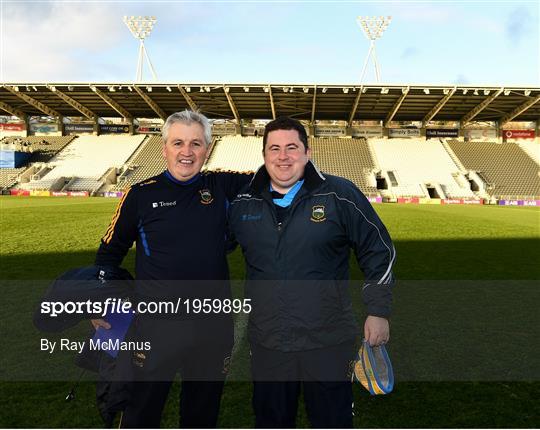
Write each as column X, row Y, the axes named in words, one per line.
column 185, row 150
column 285, row 158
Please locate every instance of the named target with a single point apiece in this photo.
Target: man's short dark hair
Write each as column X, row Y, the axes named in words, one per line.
column 286, row 123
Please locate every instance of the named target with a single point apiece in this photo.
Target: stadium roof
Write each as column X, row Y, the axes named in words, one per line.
column 266, row 101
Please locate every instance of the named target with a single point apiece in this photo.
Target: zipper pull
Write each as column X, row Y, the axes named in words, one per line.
column 279, row 226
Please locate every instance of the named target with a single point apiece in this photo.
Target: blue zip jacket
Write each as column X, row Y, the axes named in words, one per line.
column 298, row 269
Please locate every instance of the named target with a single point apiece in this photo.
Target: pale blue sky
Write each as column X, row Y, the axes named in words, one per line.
column 427, row 42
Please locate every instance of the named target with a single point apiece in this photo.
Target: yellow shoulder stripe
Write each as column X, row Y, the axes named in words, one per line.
column 109, row 233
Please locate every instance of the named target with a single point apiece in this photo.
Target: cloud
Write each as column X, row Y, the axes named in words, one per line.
column 518, row 25
column 56, row 41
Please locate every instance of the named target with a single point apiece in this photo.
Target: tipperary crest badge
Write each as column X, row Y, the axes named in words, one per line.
column 206, row 197
column 317, row 214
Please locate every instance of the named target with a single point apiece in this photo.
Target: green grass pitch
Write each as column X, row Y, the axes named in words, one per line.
column 472, row 256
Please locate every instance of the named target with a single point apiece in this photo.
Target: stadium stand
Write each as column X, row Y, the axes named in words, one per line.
column 81, row 164
column 420, row 168
column 43, row 148
column 236, row 153
column 509, row 171
column 350, row 158
column 9, row 177
column 532, row 149
column 147, row 161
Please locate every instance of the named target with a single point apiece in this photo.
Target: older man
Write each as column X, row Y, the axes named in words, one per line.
column 296, row 227
column 178, row 221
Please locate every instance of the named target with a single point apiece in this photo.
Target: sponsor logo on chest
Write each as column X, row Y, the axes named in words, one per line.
column 162, row 204
column 249, row 217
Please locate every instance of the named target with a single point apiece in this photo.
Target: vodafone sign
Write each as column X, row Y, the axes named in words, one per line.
column 12, row 127
column 519, row 134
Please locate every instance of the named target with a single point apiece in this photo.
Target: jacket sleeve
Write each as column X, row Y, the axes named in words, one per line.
column 373, row 249
column 121, row 233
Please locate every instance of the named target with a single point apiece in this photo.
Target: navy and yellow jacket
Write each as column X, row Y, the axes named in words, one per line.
column 298, row 269
column 179, row 227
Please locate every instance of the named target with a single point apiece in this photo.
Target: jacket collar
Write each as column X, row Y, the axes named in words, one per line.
column 313, row 179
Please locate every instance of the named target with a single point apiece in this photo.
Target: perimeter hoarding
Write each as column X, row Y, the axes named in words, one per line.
column 13, row 159
column 403, row 132
column 442, row 132
column 367, row 131
column 149, row 129
column 519, row 203
column 79, row 128
column 113, row 194
column 518, row 134
column 69, row 193
column 414, row 200
column 223, row 129
column 113, row 128
column 12, row 127
column 329, row 131
column 44, row 128
column 462, row 202
column 17, row 192
column 480, row 133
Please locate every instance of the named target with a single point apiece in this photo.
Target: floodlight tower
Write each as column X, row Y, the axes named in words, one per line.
column 141, row 27
column 373, row 28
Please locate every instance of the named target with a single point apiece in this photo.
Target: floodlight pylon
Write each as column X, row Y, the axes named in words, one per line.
column 141, row 27
column 373, row 28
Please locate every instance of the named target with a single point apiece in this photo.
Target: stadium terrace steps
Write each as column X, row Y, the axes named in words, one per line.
column 236, row 153
column 42, row 148
column 410, row 166
column 419, row 165
column 83, row 184
column 532, row 150
column 147, row 162
column 86, row 159
column 350, row 158
column 512, row 173
column 9, row 177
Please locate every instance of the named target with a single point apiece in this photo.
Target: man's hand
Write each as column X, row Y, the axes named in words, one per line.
column 376, row 330
column 100, row 323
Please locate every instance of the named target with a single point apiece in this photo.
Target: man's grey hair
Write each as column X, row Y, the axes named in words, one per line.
column 188, row 117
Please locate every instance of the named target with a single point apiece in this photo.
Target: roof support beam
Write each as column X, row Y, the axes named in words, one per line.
column 314, row 104
column 435, row 110
column 151, row 103
column 395, row 108
column 477, row 109
column 192, row 105
column 13, row 111
column 232, row 106
column 272, row 105
column 112, row 103
column 355, row 106
column 73, row 103
column 519, row 110
column 32, row 101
